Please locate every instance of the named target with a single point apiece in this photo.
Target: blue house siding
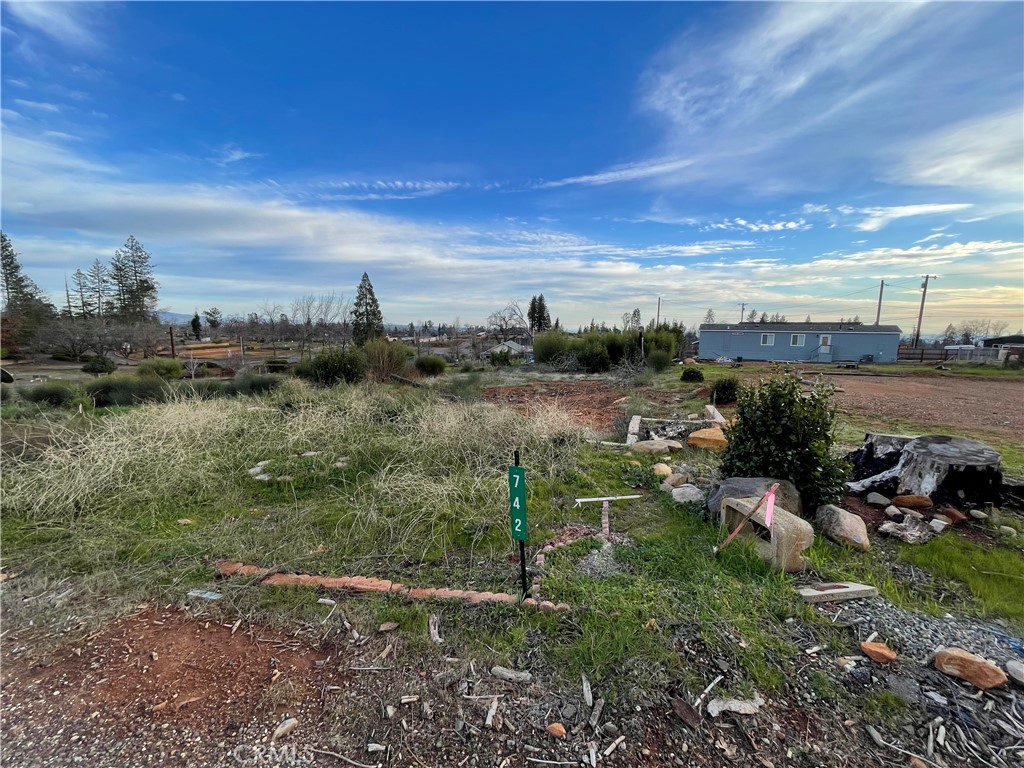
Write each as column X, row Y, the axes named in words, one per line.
column 800, row 343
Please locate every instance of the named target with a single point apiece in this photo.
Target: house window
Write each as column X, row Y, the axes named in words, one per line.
column 797, row 340
column 767, row 339
column 825, row 340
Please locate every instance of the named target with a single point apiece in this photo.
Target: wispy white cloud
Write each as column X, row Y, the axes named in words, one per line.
column 760, row 226
column 72, row 24
column 876, row 218
column 934, row 236
column 179, row 97
column 619, row 173
column 60, row 135
column 17, row 83
column 41, row 106
column 232, row 153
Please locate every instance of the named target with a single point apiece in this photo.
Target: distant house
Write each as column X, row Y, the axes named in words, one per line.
column 514, row 349
column 998, row 342
column 801, row 342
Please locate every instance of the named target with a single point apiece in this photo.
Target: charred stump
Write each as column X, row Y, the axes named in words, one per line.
column 944, row 468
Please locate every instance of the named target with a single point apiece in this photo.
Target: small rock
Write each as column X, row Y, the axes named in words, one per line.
column 878, row 500
column 1008, row 531
column 913, row 501
column 388, row 626
column 371, row 747
column 390, row 711
column 511, row 675
column 843, row 527
column 739, row 706
column 977, row 514
column 611, row 729
column 656, row 447
column 184, row 521
column 892, row 511
column 557, row 730
column 712, row 438
column 264, row 477
column 285, row 728
column 1015, row 670
column 942, row 519
column 878, row 652
column 661, row 470
column 956, row 662
column 938, row 525
column 677, row 479
column 688, row 494
column 911, row 513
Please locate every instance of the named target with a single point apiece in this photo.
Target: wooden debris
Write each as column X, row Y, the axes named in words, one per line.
column 491, row 711
column 432, row 627
column 614, row 745
column 511, row 675
column 686, row 713
column 595, row 716
column 388, row 626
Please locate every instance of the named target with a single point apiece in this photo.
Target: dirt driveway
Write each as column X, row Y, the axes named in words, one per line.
column 970, row 404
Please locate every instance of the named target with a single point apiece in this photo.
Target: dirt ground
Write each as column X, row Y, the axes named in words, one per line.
column 594, row 402
column 166, row 688
column 970, row 404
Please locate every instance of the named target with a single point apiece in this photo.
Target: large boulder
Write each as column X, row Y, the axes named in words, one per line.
column 712, row 438
column 956, row 662
column 912, row 500
column 786, row 497
column 842, row 527
column 656, row 447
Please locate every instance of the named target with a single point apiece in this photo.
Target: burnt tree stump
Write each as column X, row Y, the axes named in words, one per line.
column 945, row 468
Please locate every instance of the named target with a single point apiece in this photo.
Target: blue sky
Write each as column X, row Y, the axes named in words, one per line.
column 789, row 156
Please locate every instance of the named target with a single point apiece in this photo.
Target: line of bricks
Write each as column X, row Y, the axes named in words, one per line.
column 380, row 586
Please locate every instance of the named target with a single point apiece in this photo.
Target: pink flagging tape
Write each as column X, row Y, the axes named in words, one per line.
column 362, row 584
column 770, row 508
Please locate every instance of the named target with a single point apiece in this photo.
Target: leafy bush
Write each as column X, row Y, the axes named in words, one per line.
column 385, row 359
column 252, row 384
column 99, row 365
column 781, row 433
column 59, row 394
column 550, row 347
column 335, row 365
column 692, row 373
column 126, row 390
column 7, row 393
column 592, row 354
column 277, row 365
column 659, row 360
column 725, row 390
column 4, row 354
column 165, row 368
column 466, row 367
column 431, row 365
column 502, row 358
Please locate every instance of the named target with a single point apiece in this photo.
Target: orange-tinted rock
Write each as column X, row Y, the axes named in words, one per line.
column 912, row 501
column 956, row 662
column 557, row 730
column 712, row 438
column 879, row 652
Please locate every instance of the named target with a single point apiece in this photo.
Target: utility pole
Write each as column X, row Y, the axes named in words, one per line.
column 878, row 314
column 657, row 317
column 743, row 308
column 920, row 315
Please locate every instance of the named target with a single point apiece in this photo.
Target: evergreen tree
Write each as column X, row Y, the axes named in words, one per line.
column 97, row 285
column 808, row 319
column 764, row 317
column 84, row 308
column 213, row 317
column 542, row 320
column 367, row 320
column 25, row 307
column 558, row 324
column 752, row 316
column 950, row 336
column 531, row 313
column 709, row 316
column 197, row 326
column 135, row 289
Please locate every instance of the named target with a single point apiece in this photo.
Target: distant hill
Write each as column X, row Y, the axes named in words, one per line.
column 173, row 317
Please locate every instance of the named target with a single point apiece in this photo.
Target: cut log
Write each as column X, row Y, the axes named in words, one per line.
column 942, row 467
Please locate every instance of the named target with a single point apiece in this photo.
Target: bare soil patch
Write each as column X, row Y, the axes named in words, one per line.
column 969, row 404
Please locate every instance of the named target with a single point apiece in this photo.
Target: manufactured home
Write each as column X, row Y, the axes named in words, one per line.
column 801, row 342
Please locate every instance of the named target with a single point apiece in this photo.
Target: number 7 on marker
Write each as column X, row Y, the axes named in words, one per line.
column 517, row 502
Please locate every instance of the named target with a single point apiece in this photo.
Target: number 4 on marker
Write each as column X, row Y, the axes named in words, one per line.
column 517, row 502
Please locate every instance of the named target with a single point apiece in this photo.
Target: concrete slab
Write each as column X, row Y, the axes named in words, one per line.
column 837, row 592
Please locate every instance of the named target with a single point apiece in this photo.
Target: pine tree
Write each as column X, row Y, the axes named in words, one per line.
column 97, row 285
column 808, row 319
column 135, row 289
column 25, row 307
column 367, row 320
column 558, row 324
column 752, row 316
column 531, row 313
column 84, row 307
column 197, row 326
column 542, row 320
column 709, row 316
column 764, row 317
column 213, row 317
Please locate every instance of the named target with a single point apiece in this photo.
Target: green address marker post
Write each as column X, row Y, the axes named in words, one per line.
column 517, row 508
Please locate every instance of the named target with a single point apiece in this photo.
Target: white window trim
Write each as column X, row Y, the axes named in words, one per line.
column 770, row 339
column 801, row 336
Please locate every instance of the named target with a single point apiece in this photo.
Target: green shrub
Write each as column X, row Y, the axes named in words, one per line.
column 99, row 365
column 4, row 354
column 385, row 359
column 725, row 390
column 166, row 368
column 252, row 384
column 7, row 393
column 126, row 390
column 277, row 365
column 659, row 360
column 781, row 433
column 592, row 354
column 336, row 365
column 692, row 373
column 305, row 369
column 550, row 347
column 59, row 394
column 431, row 365
column 501, row 359
column 466, row 367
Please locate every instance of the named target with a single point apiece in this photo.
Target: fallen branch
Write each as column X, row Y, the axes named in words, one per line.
column 877, row 738
column 343, row 758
